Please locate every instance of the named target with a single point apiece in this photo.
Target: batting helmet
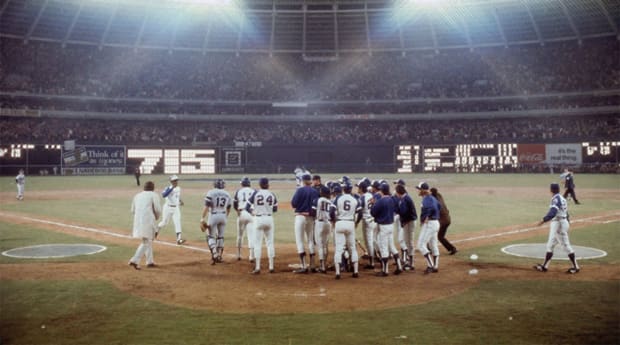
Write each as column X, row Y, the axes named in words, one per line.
column 336, row 189
column 324, row 191
column 263, row 183
column 219, row 183
column 347, row 187
column 554, row 187
column 245, row 182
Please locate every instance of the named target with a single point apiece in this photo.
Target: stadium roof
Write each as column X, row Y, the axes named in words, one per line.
column 318, row 27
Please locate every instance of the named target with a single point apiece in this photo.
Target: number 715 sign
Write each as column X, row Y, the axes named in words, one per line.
column 176, row 161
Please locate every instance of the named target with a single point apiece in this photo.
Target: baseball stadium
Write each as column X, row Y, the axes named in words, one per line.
column 309, row 172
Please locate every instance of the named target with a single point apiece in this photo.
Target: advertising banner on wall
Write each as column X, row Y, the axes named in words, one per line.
column 94, row 160
column 570, row 154
column 531, row 153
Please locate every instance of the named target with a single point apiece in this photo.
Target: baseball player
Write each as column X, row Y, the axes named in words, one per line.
column 344, row 216
column 217, row 206
column 244, row 218
column 407, row 217
column 263, row 203
column 299, row 173
column 172, row 207
column 569, row 185
column 383, row 211
column 368, row 222
column 400, row 233
column 20, row 182
column 146, row 209
column 558, row 230
column 304, row 221
column 429, row 226
column 322, row 225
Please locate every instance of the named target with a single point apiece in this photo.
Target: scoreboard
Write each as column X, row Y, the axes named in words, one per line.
column 456, row 158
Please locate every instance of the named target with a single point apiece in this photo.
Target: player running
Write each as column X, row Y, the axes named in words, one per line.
column 244, row 218
column 172, row 208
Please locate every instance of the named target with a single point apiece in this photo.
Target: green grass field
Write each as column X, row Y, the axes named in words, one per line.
column 537, row 310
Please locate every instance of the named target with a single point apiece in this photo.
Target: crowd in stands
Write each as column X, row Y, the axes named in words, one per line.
column 50, row 68
column 162, row 133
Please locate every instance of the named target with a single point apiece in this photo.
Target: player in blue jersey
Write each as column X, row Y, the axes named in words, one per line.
column 304, row 221
column 429, row 227
column 383, row 211
column 558, row 230
column 407, row 217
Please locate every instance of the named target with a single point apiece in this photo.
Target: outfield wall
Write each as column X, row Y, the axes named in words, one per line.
column 257, row 158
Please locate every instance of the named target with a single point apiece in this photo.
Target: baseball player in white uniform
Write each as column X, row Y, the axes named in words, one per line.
column 245, row 222
column 322, row 225
column 369, row 227
column 262, row 204
column 146, row 209
column 20, row 182
column 172, row 207
column 344, row 216
column 217, row 207
column 558, row 230
column 429, row 227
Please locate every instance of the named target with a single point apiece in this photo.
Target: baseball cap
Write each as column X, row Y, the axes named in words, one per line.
column 422, row 186
column 174, row 178
column 400, row 181
column 384, row 188
column 306, row 177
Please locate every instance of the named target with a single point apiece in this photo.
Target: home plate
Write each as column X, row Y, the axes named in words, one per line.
column 49, row 251
column 538, row 250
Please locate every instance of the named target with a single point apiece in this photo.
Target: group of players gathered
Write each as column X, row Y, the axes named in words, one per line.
column 334, row 209
column 326, row 213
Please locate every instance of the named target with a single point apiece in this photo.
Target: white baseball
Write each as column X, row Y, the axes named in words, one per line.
column 474, row 257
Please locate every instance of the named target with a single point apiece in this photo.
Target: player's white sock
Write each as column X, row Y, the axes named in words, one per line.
column 270, row 263
column 436, row 261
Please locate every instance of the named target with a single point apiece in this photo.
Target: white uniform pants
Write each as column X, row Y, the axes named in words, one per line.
column 322, row 230
column 304, row 230
column 428, row 235
column 145, row 248
column 369, row 229
column 385, row 240
column 245, row 223
column 344, row 232
column 217, row 222
column 405, row 237
column 558, row 234
column 20, row 191
column 171, row 212
column 264, row 228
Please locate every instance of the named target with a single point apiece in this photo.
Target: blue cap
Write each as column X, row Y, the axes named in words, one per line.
column 306, row 177
column 422, row 186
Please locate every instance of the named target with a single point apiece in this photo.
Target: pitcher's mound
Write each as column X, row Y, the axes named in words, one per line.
column 48, row 251
column 538, row 250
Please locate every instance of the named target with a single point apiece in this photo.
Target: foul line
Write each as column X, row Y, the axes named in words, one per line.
column 105, row 232
column 114, row 234
column 518, row 231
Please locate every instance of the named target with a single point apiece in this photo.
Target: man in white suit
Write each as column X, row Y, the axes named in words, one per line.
column 146, row 209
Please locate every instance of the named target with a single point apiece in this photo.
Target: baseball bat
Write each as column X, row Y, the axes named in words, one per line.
column 360, row 246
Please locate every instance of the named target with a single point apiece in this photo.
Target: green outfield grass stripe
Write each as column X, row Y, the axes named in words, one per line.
column 518, row 231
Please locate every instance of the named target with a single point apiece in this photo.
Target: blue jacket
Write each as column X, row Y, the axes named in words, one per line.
column 406, row 210
column 303, row 199
column 429, row 209
column 383, row 210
